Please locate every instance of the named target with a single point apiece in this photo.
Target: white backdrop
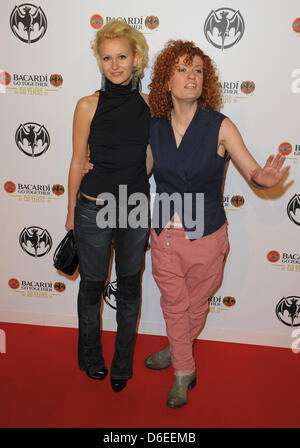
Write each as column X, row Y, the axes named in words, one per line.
column 260, row 76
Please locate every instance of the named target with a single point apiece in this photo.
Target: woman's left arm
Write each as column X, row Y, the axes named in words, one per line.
column 268, row 176
column 149, row 161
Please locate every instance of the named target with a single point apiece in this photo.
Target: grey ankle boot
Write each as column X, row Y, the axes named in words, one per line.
column 159, row 360
column 178, row 394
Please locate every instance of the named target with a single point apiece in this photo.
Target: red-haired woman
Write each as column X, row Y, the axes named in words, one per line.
column 190, row 142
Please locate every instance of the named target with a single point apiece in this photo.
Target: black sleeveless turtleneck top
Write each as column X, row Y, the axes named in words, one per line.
column 119, row 135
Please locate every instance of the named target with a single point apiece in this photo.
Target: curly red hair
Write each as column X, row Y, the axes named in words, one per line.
column 160, row 98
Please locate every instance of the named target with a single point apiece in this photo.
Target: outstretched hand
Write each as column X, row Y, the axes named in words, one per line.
column 271, row 174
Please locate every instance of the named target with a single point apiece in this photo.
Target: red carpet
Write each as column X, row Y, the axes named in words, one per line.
column 238, row 386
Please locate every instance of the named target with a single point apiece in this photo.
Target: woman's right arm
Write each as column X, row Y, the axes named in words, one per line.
column 81, row 130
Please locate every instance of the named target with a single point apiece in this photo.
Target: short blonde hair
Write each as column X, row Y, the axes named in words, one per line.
column 117, row 29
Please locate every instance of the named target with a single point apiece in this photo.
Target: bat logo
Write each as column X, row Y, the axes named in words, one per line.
column 111, row 294
column 59, row 286
column 5, row 78
column 32, row 139
column 237, row 201
column 296, row 25
column 229, row 301
column 292, row 209
column 151, row 22
column 13, row 283
column 285, row 148
column 10, row 187
column 288, row 310
column 58, row 189
column 35, row 241
column 96, row 21
column 224, row 24
column 247, row 87
column 273, row 256
column 28, row 22
column 56, row 80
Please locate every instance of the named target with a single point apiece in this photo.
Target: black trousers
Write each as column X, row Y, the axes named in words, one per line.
column 94, row 250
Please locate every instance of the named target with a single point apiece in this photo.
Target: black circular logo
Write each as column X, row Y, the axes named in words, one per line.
column 111, row 294
column 32, row 139
column 293, row 209
column 288, row 310
column 224, row 28
column 28, row 22
column 35, row 241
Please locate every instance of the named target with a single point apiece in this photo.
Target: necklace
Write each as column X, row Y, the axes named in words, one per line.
column 176, row 130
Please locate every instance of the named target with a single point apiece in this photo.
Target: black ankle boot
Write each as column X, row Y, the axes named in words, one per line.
column 97, row 374
column 118, row 385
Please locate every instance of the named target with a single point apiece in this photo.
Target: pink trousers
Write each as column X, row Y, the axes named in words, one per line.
column 187, row 273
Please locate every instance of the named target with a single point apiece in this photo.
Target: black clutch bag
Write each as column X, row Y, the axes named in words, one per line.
column 65, row 257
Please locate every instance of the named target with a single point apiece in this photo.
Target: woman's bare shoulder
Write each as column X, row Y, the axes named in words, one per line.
column 86, row 106
column 88, row 102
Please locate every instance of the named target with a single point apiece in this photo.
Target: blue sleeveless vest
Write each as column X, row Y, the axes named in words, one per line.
column 193, row 167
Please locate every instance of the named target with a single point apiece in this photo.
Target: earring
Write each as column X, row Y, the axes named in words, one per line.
column 103, row 82
column 134, row 80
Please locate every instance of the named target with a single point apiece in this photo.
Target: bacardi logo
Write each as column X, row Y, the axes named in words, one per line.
column 28, row 22
column 35, row 241
column 288, row 311
column 96, row 21
column 5, row 78
column 110, row 294
column 41, row 289
column 293, row 209
column 233, row 202
column 296, row 25
column 33, row 192
column 217, row 303
column 32, row 139
column 224, row 28
column 36, row 84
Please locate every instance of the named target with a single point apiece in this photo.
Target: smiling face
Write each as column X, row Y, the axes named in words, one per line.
column 118, row 60
column 187, row 80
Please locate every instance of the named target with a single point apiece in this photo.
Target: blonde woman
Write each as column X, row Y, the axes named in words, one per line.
column 114, row 124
